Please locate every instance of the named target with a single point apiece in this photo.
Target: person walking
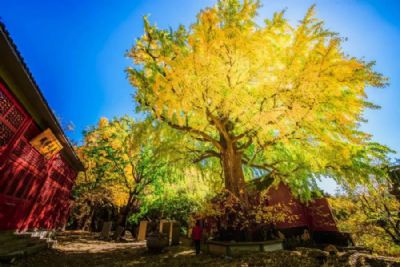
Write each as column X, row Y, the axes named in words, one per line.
column 197, row 232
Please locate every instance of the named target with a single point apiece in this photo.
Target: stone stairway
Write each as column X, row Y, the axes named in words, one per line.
column 18, row 245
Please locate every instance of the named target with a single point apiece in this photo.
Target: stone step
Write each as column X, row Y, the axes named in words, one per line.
column 9, row 236
column 18, row 244
column 11, row 256
column 13, row 246
column 356, row 248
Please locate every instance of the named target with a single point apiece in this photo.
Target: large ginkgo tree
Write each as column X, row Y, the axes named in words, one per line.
column 278, row 99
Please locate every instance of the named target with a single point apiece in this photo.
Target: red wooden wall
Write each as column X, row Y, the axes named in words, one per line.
column 282, row 195
column 315, row 215
column 34, row 192
column 320, row 216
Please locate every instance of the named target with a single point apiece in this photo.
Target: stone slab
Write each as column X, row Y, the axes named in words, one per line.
column 236, row 248
column 142, row 230
column 105, row 231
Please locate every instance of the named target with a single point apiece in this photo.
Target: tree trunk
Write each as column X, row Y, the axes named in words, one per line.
column 124, row 216
column 233, row 171
column 121, row 223
column 88, row 221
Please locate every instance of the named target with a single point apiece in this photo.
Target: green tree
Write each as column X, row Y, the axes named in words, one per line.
column 90, row 192
column 178, row 197
column 129, row 156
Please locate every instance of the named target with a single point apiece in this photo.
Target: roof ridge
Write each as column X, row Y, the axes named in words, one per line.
column 8, row 37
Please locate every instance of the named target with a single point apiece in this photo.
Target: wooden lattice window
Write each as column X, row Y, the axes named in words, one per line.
column 24, row 151
column 63, row 172
column 12, row 117
column 57, row 177
column 23, row 171
column 22, row 168
column 5, row 102
column 31, row 132
column 6, row 134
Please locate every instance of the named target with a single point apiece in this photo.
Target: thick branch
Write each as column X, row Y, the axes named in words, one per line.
column 265, row 166
column 219, row 125
column 244, row 134
column 207, row 154
column 246, row 144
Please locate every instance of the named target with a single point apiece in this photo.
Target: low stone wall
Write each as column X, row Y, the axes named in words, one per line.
column 236, row 248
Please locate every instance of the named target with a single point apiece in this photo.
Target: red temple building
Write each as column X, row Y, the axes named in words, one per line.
column 38, row 164
column 315, row 216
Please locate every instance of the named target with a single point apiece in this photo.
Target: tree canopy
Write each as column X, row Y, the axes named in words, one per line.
column 126, row 157
column 281, row 98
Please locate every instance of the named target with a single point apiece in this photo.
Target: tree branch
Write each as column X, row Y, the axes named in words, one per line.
column 207, row 154
column 191, row 130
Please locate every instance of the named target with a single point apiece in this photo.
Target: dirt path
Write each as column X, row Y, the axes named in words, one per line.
column 75, row 249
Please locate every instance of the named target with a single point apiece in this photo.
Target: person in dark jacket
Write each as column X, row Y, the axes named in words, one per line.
column 197, row 232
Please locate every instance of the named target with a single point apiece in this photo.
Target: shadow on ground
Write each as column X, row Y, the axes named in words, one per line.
column 75, row 249
column 83, row 249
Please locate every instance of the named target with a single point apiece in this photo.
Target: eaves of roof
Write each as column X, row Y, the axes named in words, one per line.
column 31, row 96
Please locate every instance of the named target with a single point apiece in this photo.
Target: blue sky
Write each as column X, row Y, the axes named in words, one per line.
column 75, row 50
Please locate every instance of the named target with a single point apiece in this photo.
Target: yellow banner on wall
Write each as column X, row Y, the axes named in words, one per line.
column 47, row 144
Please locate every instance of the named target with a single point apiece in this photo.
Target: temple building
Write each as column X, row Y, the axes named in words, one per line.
column 315, row 216
column 38, row 164
column 301, row 219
